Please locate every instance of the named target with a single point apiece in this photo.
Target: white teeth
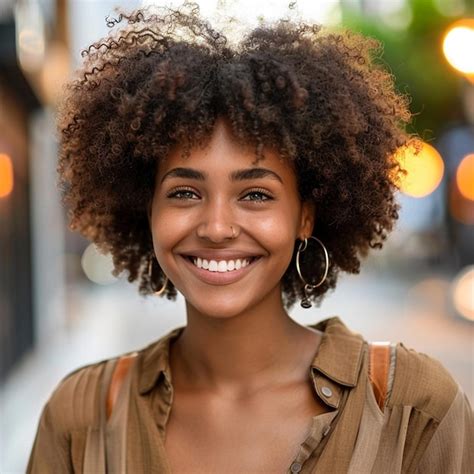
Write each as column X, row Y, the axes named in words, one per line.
column 222, row 266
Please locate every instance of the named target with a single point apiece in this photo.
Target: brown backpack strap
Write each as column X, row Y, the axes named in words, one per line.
column 118, row 376
column 379, row 370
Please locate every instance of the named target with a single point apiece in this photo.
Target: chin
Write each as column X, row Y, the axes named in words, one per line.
column 222, row 306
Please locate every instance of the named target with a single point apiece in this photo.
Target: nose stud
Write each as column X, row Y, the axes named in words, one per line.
column 201, row 233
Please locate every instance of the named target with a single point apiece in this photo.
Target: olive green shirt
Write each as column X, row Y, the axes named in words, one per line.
column 426, row 425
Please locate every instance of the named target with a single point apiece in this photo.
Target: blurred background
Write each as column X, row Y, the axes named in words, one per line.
column 60, row 308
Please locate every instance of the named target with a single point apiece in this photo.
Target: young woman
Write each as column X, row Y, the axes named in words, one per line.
column 246, row 177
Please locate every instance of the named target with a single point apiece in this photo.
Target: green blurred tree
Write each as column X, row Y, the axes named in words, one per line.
column 414, row 55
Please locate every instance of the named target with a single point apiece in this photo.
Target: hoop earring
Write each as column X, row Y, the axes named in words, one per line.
column 308, row 288
column 162, row 289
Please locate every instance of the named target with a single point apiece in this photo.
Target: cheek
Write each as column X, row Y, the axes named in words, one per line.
column 167, row 229
column 276, row 231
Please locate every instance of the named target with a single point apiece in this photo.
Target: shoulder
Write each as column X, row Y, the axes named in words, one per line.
column 422, row 382
column 435, row 414
column 75, row 401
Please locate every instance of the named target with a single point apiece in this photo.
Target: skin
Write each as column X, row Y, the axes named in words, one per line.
column 241, row 361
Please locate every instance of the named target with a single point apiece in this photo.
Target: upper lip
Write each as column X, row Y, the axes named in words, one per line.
column 224, row 254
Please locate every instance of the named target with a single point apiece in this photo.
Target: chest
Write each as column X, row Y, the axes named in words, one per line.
column 261, row 434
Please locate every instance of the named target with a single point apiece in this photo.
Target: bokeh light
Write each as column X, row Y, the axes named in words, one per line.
column 425, row 169
column 6, row 175
column 460, row 208
column 463, row 293
column 55, row 72
column 30, row 35
column 429, row 296
column 97, row 266
column 465, row 177
column 458, row 45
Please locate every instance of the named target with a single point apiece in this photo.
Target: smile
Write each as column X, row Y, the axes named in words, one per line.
column 221, row 265
column 220, row 272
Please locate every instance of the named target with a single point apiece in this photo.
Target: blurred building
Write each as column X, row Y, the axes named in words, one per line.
column 33, row 64
column 18, row 102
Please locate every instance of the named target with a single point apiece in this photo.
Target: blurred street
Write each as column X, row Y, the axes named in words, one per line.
column 110, row 320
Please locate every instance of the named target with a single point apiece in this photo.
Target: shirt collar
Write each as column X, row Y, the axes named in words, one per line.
column 155, row 360
column 340, row 353
column 339, row 356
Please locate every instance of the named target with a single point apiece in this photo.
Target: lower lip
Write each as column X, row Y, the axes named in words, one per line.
column 220, row 278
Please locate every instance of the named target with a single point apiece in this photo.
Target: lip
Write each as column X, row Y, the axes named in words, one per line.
column 219, row 278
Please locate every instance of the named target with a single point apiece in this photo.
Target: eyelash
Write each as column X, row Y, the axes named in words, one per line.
column 173, row 194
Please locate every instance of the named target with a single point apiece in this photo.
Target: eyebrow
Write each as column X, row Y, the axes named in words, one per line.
column 238, row 175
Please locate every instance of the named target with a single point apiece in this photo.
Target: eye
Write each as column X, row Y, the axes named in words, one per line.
column 182, row 194
column 257, row 196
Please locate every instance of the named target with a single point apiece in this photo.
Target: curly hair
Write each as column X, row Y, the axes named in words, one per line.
column 321, row 98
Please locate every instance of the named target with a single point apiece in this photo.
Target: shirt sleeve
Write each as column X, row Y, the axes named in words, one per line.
column 67, row 417
column 51, row 448
column 451, row 447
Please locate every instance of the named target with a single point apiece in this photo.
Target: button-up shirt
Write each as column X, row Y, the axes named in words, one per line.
column 426, row 424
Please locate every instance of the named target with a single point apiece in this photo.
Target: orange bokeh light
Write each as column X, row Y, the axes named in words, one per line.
column 465, row 177
column 461, row 209
column 6, row 175
column 424, row 167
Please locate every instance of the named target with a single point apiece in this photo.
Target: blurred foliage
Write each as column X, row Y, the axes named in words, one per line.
column 414, row 55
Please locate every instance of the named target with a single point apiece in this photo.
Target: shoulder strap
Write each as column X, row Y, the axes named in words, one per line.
column 379, row 370
column 118, row 376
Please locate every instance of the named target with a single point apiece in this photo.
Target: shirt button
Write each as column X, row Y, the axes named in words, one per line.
column 295, row 467
column 327, row 392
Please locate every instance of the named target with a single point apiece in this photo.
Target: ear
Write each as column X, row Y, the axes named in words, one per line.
column 308, row 211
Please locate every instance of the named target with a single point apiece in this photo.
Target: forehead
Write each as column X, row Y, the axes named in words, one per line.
column 223, row 154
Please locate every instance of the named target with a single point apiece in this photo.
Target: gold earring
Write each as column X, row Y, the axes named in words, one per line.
column 308, row 288
column 162, row 289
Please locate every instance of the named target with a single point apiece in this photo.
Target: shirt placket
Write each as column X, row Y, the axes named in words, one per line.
column 322, row 425
column 162, row 402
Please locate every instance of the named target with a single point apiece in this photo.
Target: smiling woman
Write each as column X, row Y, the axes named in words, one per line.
column 239, row 218
column 245, row 177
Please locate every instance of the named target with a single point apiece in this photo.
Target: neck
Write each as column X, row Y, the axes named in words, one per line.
column 238, row 353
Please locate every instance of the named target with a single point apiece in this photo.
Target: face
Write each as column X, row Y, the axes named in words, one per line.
column 224, row 228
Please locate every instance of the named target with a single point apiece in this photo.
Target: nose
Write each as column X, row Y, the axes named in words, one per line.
column 216, row 222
